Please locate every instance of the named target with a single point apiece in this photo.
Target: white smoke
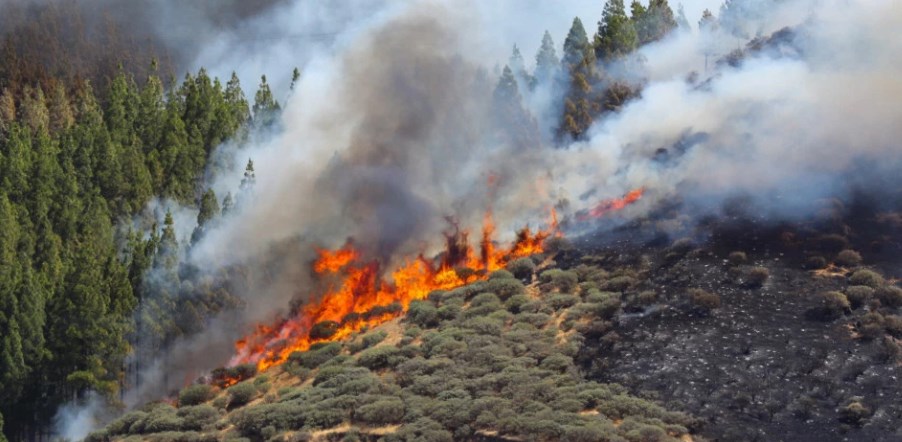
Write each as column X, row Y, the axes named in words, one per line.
column 384, row 136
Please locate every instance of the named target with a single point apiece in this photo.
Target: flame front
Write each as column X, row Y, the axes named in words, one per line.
column 361, row 298
column 603, row 208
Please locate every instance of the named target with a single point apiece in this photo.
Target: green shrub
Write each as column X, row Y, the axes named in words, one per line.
column 380, row 357
column 756, row 277
column 514, row 303
column 323, row 330
column 858, row 295
column 317, row 355
column 564, row 281
column 423, row 314
column 848, row 258
column 241, row 393
column 521, row 268
column 501, row 274
column 251, row 421
column 619, row 283
column 702, row 301
column 423, row 429
column 866, row 277
column 382, row 412
column 737, row 258
column 484, row 325
column 890, row 296
column 123, row 424
column 195, row 394
column 368, row 340
column 561, row 300
column 832, row 305
column 504, row 288
column 197, row 417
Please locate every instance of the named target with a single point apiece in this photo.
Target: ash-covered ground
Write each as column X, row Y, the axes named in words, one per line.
column 777, row 361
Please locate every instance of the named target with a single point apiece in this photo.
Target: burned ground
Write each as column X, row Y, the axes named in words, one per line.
column 771, row 362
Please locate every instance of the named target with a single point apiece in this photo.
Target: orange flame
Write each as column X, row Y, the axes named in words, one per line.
column 607, row 206
column 363, row 299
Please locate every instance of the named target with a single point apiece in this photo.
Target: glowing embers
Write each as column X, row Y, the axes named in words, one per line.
column 358, row 295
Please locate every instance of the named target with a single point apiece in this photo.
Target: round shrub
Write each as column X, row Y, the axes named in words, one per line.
column 737, row 258
column 423, row 314
column 501, row 274
column 382, row 412
column 514, row 303
column 619, row 283
column 195, row 394
column 379, row 357
column 521, row 268
column 866, row 277
column 323, row 330
column 832, row 305
column 562, row 300
column 702, row 301
column 890, row 296
column 848, row 258
column 756, row 277
column 242, row 393
column 858, row 295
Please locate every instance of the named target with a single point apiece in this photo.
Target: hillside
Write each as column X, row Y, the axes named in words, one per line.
column 491, row 360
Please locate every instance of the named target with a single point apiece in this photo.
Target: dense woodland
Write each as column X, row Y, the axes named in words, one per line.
column 88, row 141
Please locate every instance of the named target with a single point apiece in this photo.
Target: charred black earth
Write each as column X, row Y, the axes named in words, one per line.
column 763, row 354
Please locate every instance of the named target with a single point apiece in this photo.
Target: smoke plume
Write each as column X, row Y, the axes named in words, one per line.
column 391, row 129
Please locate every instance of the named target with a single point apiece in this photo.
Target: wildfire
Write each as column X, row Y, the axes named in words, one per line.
column 607, row 206
column 362, row 298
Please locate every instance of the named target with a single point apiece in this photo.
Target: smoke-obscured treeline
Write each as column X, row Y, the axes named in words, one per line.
column 95, row 144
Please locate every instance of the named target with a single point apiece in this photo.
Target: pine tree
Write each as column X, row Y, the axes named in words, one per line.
column 579, row 63
column 616, row 37
column 249, row 176
column 227, row 204
column 655, row 22
column 295, row 76
column 33, row 112
column 209, row 210
column 62, row 116
column 576, row 46
column 547, row 63
column 266, row 108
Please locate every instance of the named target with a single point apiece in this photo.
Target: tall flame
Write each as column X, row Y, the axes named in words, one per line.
column 361, row 298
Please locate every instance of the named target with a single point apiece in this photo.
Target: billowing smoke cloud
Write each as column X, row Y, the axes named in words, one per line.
column 391, row 129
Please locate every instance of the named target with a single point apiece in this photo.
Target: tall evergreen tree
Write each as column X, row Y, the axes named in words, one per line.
column 616, row 37
column 547, row 63
column 209, row 210
column 576, row 47
column 266, row 108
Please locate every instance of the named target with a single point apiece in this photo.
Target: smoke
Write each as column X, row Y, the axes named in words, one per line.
column 391, row 128
column 74, row 421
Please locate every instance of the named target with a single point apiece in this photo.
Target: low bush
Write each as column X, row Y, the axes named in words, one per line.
column 703, row 302
column 866, row 277
column 195, row 394
column 848, row 258
column 521, row 268
column 241, row 393
column 323, row 330
column 561, row 300
column 756, row 277
column 619, row 283
column 368, row 340
column 317, row 355
column 514, row 303
column 858, row 295
column 378, row 358
column 564, row 281
column 501, row 274
column 504, row 288
column 832, row 305
column 737, row 258
column 889, row 296
column 197, row 417
column 382, row 412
